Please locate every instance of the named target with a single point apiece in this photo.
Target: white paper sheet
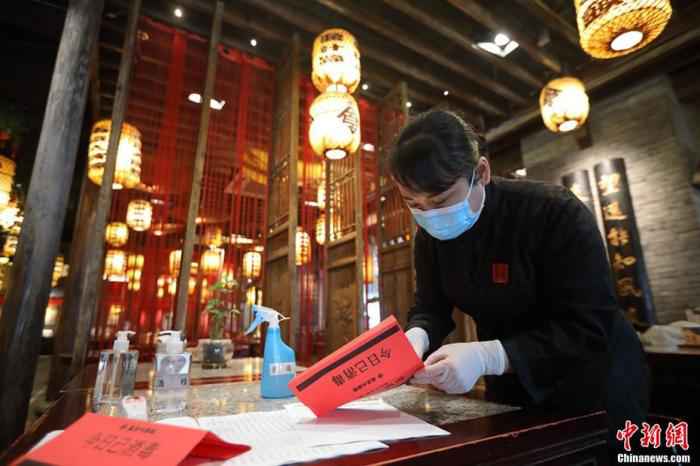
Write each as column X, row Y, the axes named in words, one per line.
column 275, row 455
column 295, row 434
column 360, row 421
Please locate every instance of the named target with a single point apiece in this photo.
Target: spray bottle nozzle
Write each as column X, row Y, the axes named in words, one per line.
column 265, row 314
column 122, row 341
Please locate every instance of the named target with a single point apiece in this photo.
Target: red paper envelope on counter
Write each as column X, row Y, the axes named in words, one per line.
column 113, row 441
column 377, row 360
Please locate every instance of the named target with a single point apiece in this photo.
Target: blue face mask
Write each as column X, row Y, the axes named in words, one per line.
column 451, row 221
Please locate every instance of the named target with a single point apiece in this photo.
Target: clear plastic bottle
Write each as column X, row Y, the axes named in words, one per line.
column 171, row 374
column 116, row 373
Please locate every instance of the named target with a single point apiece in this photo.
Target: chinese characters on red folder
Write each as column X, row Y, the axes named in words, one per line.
column 377, row 360
column 111, row 441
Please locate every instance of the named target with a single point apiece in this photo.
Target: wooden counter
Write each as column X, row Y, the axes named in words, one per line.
column 482, row 432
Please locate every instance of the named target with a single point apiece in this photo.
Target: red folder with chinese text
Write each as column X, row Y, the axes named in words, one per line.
column 377, row 360
column 113, row 441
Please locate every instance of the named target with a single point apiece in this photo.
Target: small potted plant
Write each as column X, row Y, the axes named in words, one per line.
column 219, row 307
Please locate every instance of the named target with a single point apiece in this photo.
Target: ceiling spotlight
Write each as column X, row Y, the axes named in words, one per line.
column 446, row 93
column 365, row 86
column 368, row 147
column 501, row 39
column 253, row 42
column 178, row 12
column 409, row 104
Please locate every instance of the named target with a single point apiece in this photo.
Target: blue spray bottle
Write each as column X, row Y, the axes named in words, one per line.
column 279, row 362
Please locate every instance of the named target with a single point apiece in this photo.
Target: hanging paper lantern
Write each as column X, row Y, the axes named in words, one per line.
column 303, row 247
column 335, row 61
column 135, row 261
column 7, row 174
column 564, row 104
column 10, row 247
column 9, row 215
column 213, row 237
column 211, row 261
column 128, row 170
column 174, row 262
column 610, row 29
column 252, row 264
column 133, row 277
column 321, row 229
column 321, row 195
column 251, row 295
column 335, row 125
column 115, row 266
column 117, row 234
column 139, row 215
column 57, row 270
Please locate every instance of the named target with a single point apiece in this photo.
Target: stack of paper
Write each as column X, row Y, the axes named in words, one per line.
column 296, row 435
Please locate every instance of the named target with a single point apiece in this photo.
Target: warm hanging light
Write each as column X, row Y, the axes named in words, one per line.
column 303, row 247
column 139, row 215
column 335, row 125
column 57, row 271
column 251, row 295
column 612, row 28
column 117, row 234
column 321, row 195
column 211, row 261
column 127, row 173
column 174, row 262
column 7, row 174
column 335, row 61
column 252, row 264
column 8, row 215
column 564, row 104
column 321, row 229
column 213, row 237
column 115, row 266
column 10, row 247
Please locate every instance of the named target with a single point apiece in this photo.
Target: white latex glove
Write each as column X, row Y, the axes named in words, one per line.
column 419, row 340
column 455, row 368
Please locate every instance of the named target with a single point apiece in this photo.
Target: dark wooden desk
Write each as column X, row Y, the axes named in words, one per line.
column 515, row 438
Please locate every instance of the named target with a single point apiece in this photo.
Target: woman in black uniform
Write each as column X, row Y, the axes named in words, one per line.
column 526, row 261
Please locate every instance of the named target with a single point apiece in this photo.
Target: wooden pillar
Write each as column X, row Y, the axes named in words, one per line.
column 191, row 226
column 90, row 278
column 45, row 209
column 280, row 285
column 70, row 311
column 396, row 228
column 345, row 251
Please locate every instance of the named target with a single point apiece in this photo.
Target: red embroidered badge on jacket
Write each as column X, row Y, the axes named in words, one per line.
column 499, row 273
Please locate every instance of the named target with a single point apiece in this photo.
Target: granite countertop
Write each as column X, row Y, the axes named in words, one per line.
column 430, row 405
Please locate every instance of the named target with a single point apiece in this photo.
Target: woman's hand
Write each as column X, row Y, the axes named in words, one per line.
column 455, row 368
column 419, row 340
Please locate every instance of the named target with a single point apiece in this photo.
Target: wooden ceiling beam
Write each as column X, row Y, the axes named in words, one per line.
column 552, row 20
column 391, row 31
column 423, row 17
column 601, row 78
column 267, row 31
column 486, row 18
column 410, row 70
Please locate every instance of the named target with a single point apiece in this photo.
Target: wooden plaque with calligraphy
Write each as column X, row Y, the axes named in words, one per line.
column 624, row 246
column 579, row 184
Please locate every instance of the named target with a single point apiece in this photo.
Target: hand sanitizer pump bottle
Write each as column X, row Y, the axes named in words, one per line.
column 116, row 372
column 279, row 363
column 172, row 374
